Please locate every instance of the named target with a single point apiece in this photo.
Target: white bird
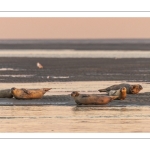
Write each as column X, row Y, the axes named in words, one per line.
column 39, row 65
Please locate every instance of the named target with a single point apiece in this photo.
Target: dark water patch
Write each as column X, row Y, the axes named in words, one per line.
column 75, row 69
column 77, row 44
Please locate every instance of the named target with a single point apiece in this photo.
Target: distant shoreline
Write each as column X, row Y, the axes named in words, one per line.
column 76, row 44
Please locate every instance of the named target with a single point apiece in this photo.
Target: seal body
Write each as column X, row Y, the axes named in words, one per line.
column 6, row 93
column 130, row 89
column 121, row 93
column 84, row 99
column 29, row 93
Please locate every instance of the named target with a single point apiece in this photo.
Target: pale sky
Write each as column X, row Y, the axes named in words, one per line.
column 74, row 28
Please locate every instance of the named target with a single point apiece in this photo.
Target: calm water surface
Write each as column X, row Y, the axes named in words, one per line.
column 66, row 119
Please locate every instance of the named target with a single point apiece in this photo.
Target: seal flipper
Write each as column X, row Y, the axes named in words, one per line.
column 26, row 91
column 114, row 97
column 112, row 92
column 102, row 90
column 46, row 89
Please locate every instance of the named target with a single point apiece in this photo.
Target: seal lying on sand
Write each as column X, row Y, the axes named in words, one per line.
column 28, row 93
column 121, row 93
column 131, row 89
column 6, row 93
column 91, row 99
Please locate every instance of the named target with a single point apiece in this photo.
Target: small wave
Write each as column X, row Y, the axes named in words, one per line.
column 16, row 76
column 4, row 69
column 60, row 77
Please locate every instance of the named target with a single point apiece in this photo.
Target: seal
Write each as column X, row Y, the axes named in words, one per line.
column 84, row 99
column 6, row 93
column 130, row 89
column 28, row 93
column 121, row 93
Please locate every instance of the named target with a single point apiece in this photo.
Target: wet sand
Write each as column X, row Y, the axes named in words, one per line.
column 59, row 95
column 65, row 88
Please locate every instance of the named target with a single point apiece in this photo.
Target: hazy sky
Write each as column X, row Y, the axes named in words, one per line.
column 74, row 28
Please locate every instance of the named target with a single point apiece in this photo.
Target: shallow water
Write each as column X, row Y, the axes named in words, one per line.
column 73, row 119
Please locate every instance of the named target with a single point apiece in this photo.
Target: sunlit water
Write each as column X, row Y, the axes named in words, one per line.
column 73, row 119
column 75, row 54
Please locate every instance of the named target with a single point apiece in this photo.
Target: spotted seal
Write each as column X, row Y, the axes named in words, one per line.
column 6, row 93
column 84, row 99
column 28, row 93
column 130, row 89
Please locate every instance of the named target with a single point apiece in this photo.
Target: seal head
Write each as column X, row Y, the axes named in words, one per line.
column 134, row 89
column 75, row 94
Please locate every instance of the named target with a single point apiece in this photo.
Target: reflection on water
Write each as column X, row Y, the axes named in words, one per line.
column 104, row 108
column 74, row 119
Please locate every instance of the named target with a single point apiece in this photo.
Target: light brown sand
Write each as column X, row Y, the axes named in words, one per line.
column 74, row 54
